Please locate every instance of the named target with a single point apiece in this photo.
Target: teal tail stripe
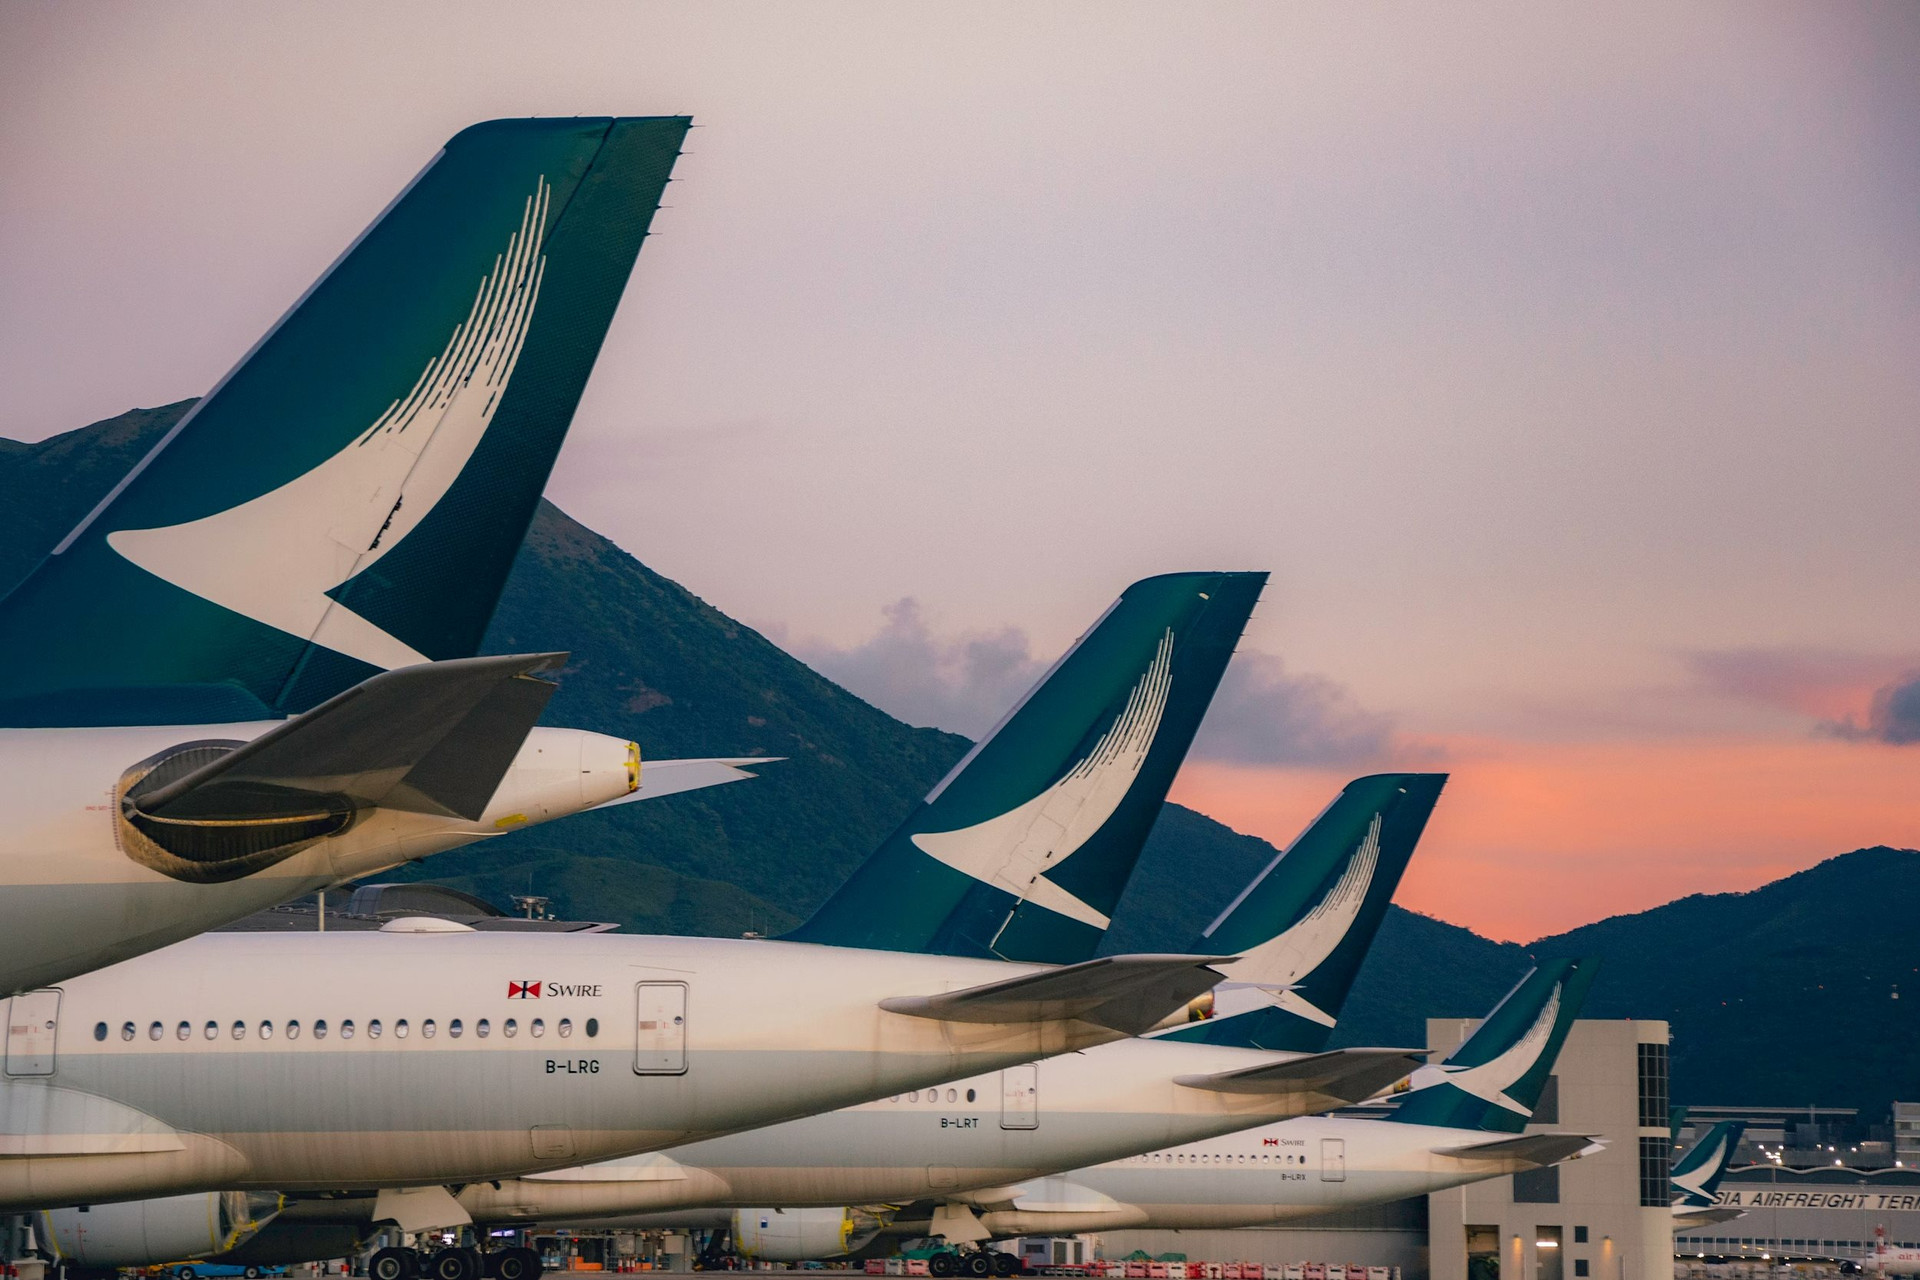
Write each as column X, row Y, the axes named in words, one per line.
column 352, row 495
column 1697, row 1174
column 1303, row 926
column 1022, row 851
column 1494, row 1079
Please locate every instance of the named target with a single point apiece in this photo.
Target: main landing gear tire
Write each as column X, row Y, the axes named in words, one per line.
column 391, row 1264
column 517, row 1264
column 1005, row 1264
column 976, row 1265
column 454, row 1264
column 943, row 1264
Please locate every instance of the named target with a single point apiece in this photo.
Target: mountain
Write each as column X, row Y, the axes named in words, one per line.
column 1782, row 995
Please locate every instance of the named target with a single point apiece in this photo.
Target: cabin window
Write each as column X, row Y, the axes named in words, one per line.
column 593, row 1027
column 969, row 1095
column 346, row 1028
column 266, row 1031
column 953, row 1095
column 182, row 1031
column 319, row 1028
column 511, row 1027
column 99, row 1031
column 373, row 1029
column 211, row 1031
column 126, row 1031
column 482, row 1027
column 539, row 1027
column 293, row 1029
column 566, row 1027
column 427, row 1028
column 454, row 1028
column 913, row 1095
column 155, row 1031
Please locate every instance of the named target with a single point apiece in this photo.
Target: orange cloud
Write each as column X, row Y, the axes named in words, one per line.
column 1532, row 839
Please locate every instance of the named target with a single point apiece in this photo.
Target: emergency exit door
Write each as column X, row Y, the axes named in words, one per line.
column 32, row 1021
column 1333, row 1159
column 1020, row 1097
column 660, row 1023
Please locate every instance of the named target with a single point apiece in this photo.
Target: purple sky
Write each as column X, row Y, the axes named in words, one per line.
column 1561, row 364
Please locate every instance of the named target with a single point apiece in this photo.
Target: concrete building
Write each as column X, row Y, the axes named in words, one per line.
column 1602, row 1217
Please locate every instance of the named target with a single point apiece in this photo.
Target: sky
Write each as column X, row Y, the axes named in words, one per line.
column 1558, row 363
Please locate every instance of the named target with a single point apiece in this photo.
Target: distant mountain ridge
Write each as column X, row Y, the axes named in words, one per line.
column 1761, row 987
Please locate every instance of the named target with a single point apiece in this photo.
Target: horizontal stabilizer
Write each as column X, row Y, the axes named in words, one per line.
column 1341, row 1076
column 1705, row 1217
column 1537, row 1149
column 1130, row 994
column 433, row 738
column 666, row 777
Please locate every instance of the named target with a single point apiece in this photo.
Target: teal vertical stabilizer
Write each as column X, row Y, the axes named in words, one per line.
column 1304, row 924
column 1022, row 851
column 1494, row 1079
column 1696, row 1176
column 351, row 496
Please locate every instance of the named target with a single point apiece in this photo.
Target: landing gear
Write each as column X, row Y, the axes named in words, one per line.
column 1004, row 1264
column 392, row 1264
column 454, row 1264
column 515, row 1264
column 943, row 1264
column 976, row 1264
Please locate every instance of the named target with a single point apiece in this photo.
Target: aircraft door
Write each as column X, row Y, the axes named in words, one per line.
column 660, row 1019
column 1333, row 1159
column 32, row 1023
column 1020, row 1097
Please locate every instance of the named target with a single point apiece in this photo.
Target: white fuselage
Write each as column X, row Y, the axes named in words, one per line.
column 72, row 901
column 984, row 1131
column 1892, row 1262
column 204, row 1066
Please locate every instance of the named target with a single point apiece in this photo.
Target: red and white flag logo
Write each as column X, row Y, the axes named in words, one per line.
column 523, row 991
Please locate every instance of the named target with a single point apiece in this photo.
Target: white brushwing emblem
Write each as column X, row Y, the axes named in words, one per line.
column 1268, row 973
column 1015, row 850
column 1491, row 1079
column 1692, row 1183
column 337, row 520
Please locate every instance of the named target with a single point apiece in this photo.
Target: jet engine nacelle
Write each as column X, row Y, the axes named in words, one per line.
column 142, row 1233
column 800, row 1235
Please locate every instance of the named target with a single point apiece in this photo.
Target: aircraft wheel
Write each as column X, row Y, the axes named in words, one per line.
column 943, row 1264
column 518, row 1264
column 186, row 1273
column 391, row 1264
column 1005, row 1264
column 251, row 1273
column 454, row 1264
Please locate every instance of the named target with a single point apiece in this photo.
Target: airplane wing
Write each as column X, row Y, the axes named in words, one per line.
column 1705, row 1217
column 1341, row 1076
column 668, row 777
column 1129, row 994
column 1538, row 1149
column 433, row 738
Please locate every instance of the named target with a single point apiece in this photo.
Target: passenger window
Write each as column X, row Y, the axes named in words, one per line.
column 346, row 1028
column 593, row 1027
column 182, row 1031
column 539, row 1027
column 99, row 1031
column 239, row 1031
column 373, row 1029
column 453, row 1028
column 481, row 1028
column 913, row 1096
column 426, row 1028
column 266, row 1031
column 510, row 1027
column 953, row 1095
column 319, row 1028
column 211, row 1031
column 969, row 1095
column 126, row 1031
column 566, row 1027
column 155, row 1031
column 400, row 1028
column 293, row 1029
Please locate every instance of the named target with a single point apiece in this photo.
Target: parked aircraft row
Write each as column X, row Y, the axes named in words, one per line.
column 312, row 556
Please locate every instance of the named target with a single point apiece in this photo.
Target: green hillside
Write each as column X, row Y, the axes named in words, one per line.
column 1782, row 995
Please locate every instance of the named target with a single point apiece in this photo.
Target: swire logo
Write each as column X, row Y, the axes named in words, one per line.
column 523, row 991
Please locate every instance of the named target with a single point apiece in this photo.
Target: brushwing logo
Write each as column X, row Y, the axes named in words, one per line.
column 1014, row 851
column 523, row 991
column 1690, row 1187
column 337, row 520
column 1491, row 1079
column 1279, row 964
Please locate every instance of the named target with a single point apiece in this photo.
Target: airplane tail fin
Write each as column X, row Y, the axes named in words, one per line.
column 1021, row 852
column 1303, row 926
column 350, row 497
column 1494, row 1079
column 1697, row 1174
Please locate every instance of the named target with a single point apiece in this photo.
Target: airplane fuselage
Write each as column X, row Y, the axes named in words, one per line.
column 75, row 900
